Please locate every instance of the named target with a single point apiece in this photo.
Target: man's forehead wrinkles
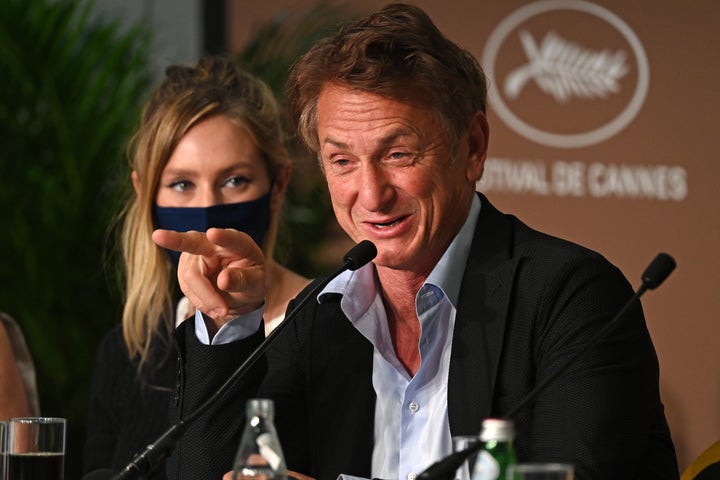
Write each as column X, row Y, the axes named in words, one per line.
column 385, row 140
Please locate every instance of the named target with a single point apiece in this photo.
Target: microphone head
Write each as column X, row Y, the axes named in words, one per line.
column 360, row 254
column 658, row 270
column 101, row 474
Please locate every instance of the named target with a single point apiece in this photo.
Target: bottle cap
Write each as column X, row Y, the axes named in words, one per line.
column 498, row 429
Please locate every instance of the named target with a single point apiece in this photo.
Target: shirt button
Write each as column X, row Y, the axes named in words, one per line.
column 412, row 476
column 414, row 407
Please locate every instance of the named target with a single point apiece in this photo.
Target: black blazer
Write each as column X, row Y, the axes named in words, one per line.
column 527, row 302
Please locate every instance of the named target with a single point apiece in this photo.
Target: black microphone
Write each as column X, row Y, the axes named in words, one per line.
column 656, row 273
column 144, row 462
column 102, row 474
column 359, row 255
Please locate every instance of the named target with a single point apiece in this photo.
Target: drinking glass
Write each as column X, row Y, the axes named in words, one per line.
column 36, row 448
column 3, row 430
column 460, row 443
column 540, row 471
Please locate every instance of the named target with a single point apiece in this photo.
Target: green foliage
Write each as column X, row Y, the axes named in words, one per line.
column 277, row 44
column 71, row 86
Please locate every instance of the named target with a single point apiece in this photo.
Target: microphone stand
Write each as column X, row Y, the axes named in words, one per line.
column 654, row 275
column 159, row 450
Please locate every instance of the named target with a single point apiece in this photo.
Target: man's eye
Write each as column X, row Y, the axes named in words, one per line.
column 401, row 158
column 341, row 162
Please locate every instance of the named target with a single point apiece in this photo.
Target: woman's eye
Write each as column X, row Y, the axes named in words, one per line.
column 237, row 181
column 181, row 185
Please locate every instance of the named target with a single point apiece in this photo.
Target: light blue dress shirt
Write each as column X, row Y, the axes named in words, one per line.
column 411, row 417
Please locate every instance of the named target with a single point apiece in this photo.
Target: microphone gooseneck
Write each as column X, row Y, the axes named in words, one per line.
column 158, row 451
column 446, row 468
column 656, row 273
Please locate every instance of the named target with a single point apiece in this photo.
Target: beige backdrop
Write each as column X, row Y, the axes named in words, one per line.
column 602, row 117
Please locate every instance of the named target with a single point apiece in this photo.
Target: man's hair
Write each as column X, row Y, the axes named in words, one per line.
column 398, row 53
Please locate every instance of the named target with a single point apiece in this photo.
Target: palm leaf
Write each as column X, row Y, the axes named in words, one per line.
column 565, row 70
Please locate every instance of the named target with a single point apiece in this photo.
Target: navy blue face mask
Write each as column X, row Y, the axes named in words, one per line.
column 251, row 217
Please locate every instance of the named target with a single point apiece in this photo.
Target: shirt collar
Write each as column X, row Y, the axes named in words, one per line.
column 358, row 287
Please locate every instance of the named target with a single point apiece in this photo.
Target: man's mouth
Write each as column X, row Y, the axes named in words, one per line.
column 389, row 224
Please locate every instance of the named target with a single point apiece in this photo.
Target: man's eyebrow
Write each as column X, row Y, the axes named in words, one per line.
column 334, row 143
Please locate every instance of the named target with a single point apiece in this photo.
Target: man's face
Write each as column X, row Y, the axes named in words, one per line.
column 391, row 175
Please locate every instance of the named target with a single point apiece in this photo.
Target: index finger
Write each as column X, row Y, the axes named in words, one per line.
column 235, row 241
column 191, row 242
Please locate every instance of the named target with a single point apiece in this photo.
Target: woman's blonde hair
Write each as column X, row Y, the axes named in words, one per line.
column 216, row 86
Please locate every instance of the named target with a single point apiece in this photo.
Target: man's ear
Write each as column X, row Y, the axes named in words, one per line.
column 478, row 136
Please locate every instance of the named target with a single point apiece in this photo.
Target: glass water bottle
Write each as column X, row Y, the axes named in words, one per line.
column 492, row 462
column 260, row 455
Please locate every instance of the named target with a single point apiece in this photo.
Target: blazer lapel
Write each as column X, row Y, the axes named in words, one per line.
column 480, row 322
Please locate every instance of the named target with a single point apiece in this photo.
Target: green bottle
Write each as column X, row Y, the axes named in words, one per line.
column 492, row 462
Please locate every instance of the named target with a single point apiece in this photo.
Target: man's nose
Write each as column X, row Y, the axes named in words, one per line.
column 375, row 188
